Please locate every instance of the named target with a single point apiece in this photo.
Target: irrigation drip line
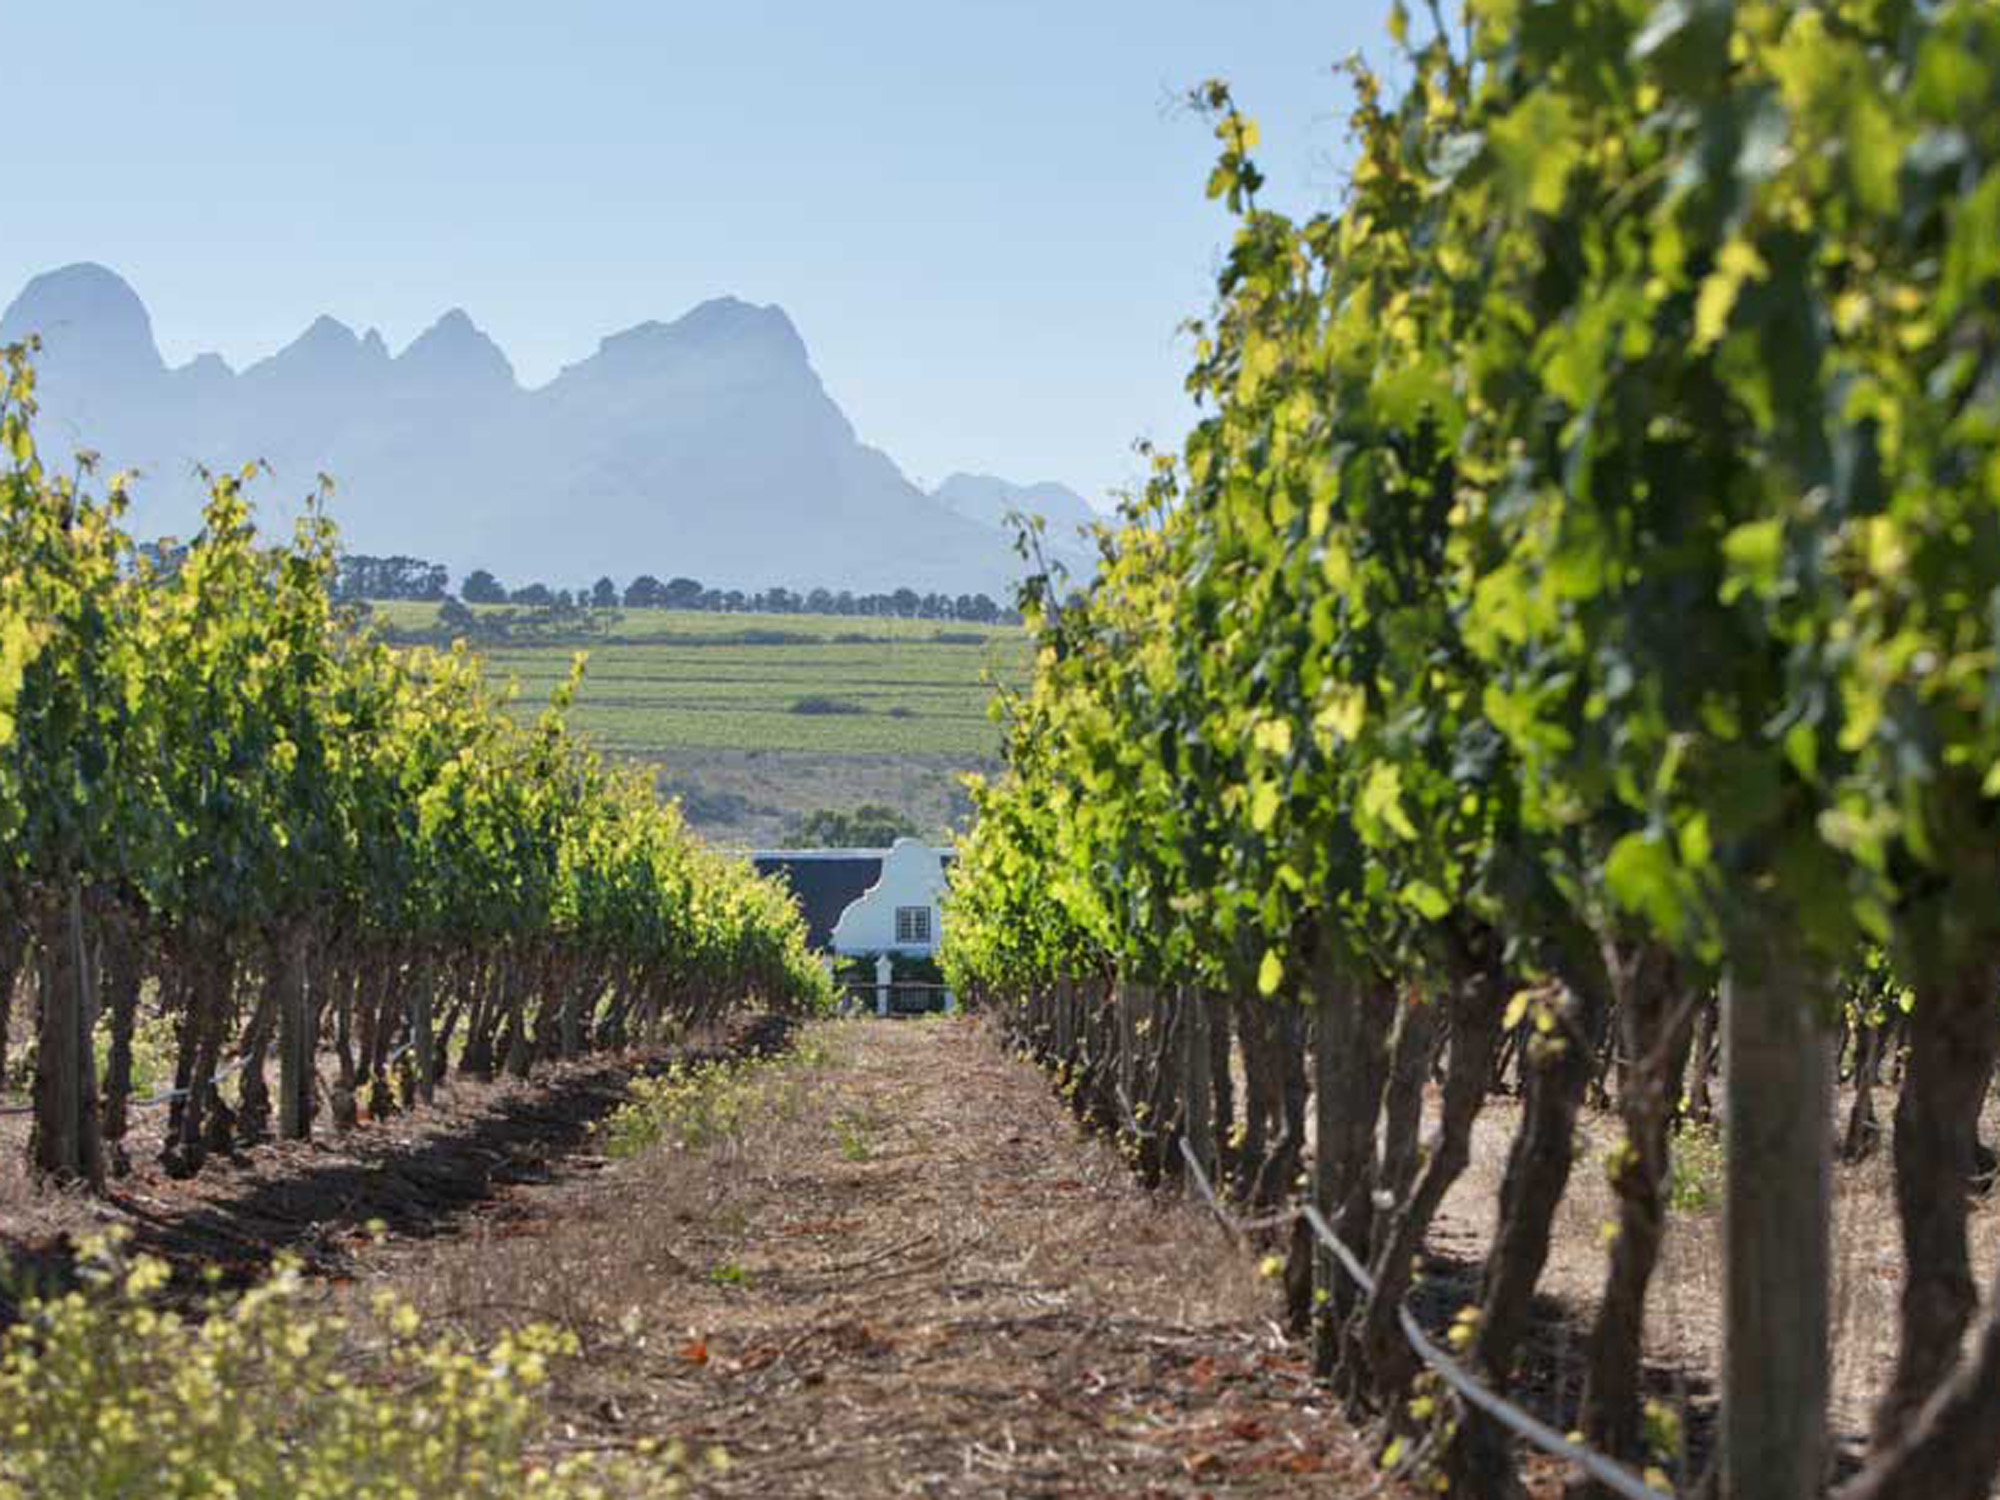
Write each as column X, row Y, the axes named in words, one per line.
column 1131, row 1115
column 1281, row 1219
column 1606, row 1471
column 167, row 1096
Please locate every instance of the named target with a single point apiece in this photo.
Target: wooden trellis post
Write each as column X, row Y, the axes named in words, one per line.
column 66, row 1136
column 572, row 1019
column 1197, row 1083
column 423, row 1035
column 1326, row 1101
column 1128, row 1047
column 1778, row 1083
column 296, row 1038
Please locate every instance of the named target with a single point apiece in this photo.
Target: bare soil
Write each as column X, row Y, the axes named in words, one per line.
column 1684, row 1332
column 913, row 1276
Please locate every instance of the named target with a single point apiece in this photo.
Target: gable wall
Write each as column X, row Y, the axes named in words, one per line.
column 912, row 875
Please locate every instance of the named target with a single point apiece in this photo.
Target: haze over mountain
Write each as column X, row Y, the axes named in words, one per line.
column 989, row 501
column 706, row 446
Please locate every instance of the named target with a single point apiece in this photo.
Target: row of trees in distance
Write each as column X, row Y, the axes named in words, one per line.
column 648, row 592
column 361, row 577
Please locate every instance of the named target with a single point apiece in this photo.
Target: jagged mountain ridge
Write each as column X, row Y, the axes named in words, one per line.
column 992, row 501
column 706, row 446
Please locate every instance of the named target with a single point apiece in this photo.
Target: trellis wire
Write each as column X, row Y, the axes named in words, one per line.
column 167, row 1096
column 1607, row 1472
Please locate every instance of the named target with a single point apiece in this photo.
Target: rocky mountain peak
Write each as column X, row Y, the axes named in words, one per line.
column 328, row 350
column 987, row 499
column 723, row 328
column 704, row 446
column 89, row 320
column 454, row 352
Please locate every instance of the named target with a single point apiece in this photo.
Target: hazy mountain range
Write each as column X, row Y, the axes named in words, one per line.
column 990, row 501
column 704, row 447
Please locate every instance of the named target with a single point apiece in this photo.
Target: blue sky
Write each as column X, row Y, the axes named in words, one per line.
column 986, row 219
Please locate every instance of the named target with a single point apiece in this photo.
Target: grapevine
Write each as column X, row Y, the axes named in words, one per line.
column 1574, row 604
column 222, row 804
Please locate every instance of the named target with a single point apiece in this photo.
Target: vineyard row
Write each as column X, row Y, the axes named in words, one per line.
column 225, row 810
column 1574, row 621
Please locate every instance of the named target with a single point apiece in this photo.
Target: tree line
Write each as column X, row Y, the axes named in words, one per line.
column 361, row 577
column 648, row 592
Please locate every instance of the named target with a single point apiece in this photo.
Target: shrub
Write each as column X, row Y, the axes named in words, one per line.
column 1694, row 1177
column 690, row 1107
column 103, row 1392
column 702, row 805
column 872, row 825
column 708, row 1104
column 153, row 1043
column 819, row 703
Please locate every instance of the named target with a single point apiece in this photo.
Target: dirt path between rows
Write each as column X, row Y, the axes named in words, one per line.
column 904, row 1272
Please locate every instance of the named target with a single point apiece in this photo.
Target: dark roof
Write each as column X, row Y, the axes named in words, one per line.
column 825, row 887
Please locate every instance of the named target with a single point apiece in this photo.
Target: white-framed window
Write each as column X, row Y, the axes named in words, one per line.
column 913, row 924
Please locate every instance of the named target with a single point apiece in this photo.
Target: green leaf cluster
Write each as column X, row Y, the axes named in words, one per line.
column 205, row 747
column 1590, row 533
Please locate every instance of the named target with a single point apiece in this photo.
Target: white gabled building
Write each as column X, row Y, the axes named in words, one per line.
column 899, row 912
column 866, row 900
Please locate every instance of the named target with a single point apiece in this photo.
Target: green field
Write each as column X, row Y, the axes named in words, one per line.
column 665, row 680
column 903, row 697
column 719, row 703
